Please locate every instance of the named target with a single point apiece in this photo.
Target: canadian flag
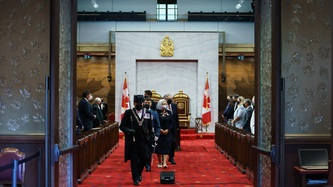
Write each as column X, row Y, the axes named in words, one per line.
column 125, row 100
column 206, row 113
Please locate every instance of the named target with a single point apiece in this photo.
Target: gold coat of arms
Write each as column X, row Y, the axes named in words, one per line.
column 167, row 47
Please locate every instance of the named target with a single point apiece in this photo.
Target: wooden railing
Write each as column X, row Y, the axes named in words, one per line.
column 94, row 147
column 236, row 145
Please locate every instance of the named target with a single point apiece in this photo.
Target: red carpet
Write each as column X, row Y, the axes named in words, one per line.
column 199, row 163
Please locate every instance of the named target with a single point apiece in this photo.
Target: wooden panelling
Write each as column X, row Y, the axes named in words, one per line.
column 239, row 79
column 92, row 75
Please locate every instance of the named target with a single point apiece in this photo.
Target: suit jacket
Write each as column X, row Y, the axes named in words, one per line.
column 175, row 121
column 104, row 110
column 142, row 134
column 86, row 114
column 99, row 116
column 247, row 119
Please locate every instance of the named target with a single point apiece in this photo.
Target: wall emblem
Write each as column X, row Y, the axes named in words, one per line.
column 167, row 47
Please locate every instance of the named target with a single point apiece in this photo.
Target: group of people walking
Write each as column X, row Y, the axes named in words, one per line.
column 240, row 113
column 149, row 128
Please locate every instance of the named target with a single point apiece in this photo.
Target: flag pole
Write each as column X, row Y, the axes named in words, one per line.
column 129, row 97
column 206, row 99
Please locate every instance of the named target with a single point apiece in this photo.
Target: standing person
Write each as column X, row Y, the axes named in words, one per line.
column 85, row 110
column 79, row 124
column 156, row 129
column 247, row 115
column 229, row 110
column 137, row 127
column 252, row 122
column 104, row 109
column 235, row 98
column 149, row 94
column 164, row 141
column 238, row 114
column 99, row 120
column 175, row 132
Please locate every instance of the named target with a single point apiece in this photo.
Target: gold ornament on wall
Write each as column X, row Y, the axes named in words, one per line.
column 167, row 47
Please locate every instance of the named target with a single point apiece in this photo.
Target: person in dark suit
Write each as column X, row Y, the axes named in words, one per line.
column 79, row 124
column 247, row 115
column 136, row 125
column 99, row 120
column 229, row 110
column 156, row 128
column 104, row 109
column 175, row 131
column 85, row 110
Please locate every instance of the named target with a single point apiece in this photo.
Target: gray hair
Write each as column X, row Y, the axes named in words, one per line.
column 159, row 104
column 248, row 101
column 98, row 100
column 167, row 96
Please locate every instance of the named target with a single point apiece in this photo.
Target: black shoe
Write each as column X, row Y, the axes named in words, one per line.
column 140, row 178
column 172, row 161
column 136, row 183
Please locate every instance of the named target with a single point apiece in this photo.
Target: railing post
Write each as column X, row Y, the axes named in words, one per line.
column 39, row 167
column 14, row 169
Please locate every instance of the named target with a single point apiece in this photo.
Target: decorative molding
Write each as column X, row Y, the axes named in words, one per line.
column 102, row 49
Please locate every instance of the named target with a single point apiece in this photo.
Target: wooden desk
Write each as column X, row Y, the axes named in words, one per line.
column 302, row 174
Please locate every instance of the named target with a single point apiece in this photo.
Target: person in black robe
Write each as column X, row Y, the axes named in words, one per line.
column 137, row 127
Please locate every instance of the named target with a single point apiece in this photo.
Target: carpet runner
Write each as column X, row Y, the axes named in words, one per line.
column 199, row 163
column 187, row 134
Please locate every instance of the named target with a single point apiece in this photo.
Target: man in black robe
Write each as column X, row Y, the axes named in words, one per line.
column 137, row 127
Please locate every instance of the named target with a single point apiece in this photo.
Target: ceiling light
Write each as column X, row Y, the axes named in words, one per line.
column 239, row 5
column 94, row 3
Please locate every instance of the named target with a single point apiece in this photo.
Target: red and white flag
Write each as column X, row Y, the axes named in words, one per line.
column 206, row 112
column 125, row 100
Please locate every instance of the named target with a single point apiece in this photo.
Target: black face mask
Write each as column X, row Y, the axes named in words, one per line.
column 147, row 106
column 138, row 107
column 169, row 101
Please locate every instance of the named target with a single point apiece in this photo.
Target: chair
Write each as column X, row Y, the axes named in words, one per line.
column 182, row 101
column 112, row 117
column 6, row 157
column 155, row 96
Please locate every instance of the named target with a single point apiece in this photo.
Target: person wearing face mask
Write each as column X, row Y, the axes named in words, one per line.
column 175, row 131
column 164, row 141
column 148, row 105
column 136, row 125
column 85, row 110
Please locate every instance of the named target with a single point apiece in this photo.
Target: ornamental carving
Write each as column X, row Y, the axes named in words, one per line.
column 167, row 47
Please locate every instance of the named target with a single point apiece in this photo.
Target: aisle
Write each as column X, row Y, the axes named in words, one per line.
column 199, row 163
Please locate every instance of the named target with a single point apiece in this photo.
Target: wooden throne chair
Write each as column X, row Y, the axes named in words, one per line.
column 155, row 96
column 182, row 101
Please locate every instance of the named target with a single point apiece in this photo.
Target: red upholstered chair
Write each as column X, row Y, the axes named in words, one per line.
column 6, row 157
column 112, row 117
